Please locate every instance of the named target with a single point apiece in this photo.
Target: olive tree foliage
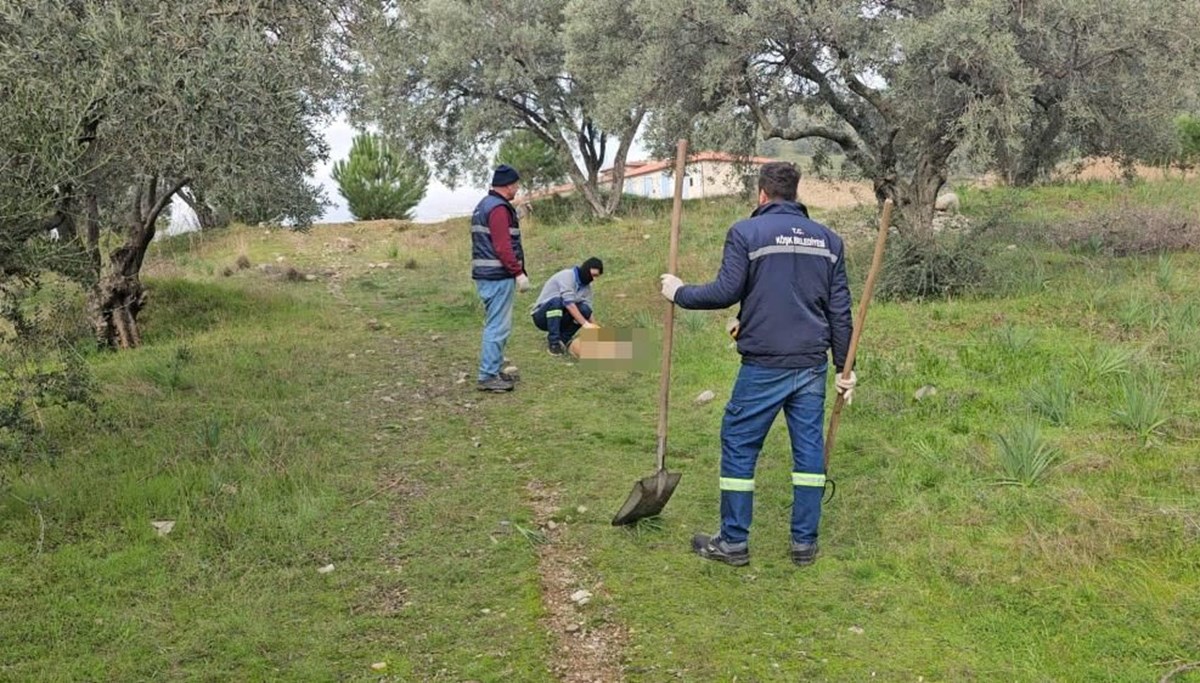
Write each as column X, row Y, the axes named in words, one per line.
column 456, row 77
column 1111, row 76
column 899, row 86
column 112, row 108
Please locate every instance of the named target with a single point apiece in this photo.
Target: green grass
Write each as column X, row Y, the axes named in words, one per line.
column 283, row 431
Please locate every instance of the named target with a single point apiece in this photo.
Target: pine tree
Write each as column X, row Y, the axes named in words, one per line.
column 379, row 181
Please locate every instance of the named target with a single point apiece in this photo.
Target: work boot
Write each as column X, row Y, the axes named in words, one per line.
column 496, row 385
column 804, row 554
column 557, row 349
column 716, row 548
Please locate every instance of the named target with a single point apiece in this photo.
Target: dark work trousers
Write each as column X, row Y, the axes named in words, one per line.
column 553, row 319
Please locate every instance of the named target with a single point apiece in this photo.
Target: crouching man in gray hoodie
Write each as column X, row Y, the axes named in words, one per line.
column 565, row 304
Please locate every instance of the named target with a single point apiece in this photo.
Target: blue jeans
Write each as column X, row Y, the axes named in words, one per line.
column 553, row 319
column 758, row 396
column 498, row 297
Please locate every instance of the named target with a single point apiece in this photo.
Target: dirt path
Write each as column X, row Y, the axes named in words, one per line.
column 589, row 644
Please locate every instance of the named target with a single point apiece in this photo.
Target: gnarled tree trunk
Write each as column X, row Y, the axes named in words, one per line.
column 914, row 198
column 119, row 296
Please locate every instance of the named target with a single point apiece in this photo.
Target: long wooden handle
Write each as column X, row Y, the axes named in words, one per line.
column 885, row 222
column 664, row 383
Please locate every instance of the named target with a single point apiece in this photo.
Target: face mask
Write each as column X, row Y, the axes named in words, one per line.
column 585, row 275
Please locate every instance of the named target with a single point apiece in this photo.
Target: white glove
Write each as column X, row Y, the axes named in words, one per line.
column 523, row 284
column 845, row 387
column 670, row 285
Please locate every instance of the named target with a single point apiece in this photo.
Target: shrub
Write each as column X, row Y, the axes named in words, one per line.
column 39, row 366
column 1130, row 230
column 944, row 266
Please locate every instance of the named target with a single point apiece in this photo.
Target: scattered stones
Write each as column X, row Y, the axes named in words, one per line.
column 925, row 392
column 379, row 666
column 947, row 202
column 374, row 324
column 705, row 396
column 325, row 570
column 857, row 630
column 163, row 527
column 582, row 509
column 581, row 597
column 573, row 628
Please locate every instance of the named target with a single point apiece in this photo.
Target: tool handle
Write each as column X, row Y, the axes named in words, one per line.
column 885, row 222
column 664, row 386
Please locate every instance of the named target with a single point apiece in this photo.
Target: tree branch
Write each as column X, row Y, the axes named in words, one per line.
column 770, row 129
column 162, row 202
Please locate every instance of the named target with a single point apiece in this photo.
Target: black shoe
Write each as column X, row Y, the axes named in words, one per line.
column 514, row 378
column 557, row 349
column 496, row 385
column 717, row 548
column 804, row 554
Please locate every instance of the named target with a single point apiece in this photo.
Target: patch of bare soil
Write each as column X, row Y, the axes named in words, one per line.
column 588, row 643
column 835, row 194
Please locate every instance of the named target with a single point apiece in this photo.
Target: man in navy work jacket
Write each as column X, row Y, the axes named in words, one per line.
column 498, row 268
column 788, row 272
column 565, row 304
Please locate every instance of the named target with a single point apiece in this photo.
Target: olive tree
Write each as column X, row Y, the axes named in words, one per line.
column 900, row 86
column 1110, row 78
column 455, row 78
column 111, row 108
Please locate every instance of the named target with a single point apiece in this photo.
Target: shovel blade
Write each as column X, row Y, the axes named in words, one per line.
column 648, row 497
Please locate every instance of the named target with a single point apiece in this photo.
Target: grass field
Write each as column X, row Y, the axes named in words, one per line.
column 1036, row 518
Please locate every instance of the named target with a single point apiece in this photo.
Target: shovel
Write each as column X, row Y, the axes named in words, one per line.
column 885, row 221
column 651, row 493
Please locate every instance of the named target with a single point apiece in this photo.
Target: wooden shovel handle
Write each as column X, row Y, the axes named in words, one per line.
column 885, row 222
column 664, row 382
